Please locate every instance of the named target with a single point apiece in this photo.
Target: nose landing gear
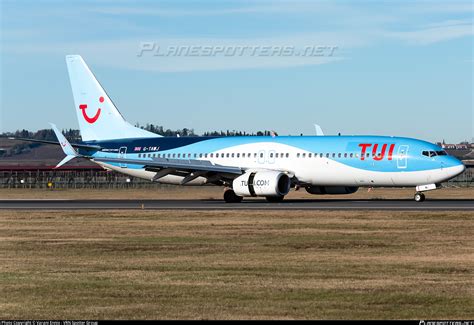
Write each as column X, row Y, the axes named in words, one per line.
column 419, row 196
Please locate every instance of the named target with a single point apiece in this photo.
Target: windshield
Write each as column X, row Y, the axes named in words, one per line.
column 431, row 153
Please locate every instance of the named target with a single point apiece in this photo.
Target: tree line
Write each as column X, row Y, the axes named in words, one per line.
column 74, row 136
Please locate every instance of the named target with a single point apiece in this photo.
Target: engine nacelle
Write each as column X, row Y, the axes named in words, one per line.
column 262, row 183
column 321, row 190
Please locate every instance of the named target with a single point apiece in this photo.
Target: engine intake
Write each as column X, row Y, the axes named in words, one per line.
column 322, row 190
column 262, row 183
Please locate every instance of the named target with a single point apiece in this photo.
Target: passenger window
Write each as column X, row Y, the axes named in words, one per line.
column 238, row 155
column 304, row 155
column 200, row 155
column 261, row 155
column 287, row 155
column 327, row 155
column 232, row 155
column 276, row 155
column 228, row 155
column 212, row 155
column 334, row 155
column 205, row 155
column 339, row 155
column 271, row 154
column 195, row 155
column 345, row 155
column 321, row 155
column 154, row 155
column 309, row 155
column 139, row 155
column 351, row 155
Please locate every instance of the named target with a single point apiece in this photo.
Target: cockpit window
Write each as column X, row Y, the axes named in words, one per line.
column 429, row 153
column 441, row 153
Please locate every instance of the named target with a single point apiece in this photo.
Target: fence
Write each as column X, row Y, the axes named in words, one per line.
column 98, row 178
column 70, row 179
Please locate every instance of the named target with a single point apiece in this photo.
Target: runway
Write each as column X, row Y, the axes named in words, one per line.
column 340, row 204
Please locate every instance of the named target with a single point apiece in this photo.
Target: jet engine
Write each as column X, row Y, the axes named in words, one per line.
column 262, row 183
column 321, row 190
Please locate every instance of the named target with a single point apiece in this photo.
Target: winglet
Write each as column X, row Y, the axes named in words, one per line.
column 65, row 160
column 65, row 145
column 319, row 131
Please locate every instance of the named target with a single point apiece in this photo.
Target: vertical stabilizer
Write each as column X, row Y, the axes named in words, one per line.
column 98, row 117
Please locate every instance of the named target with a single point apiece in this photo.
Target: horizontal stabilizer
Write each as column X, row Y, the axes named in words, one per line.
column 74, row 145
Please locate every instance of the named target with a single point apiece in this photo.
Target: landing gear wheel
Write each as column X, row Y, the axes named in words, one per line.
column 275, row 199
column 231, row 197
column 419, row 197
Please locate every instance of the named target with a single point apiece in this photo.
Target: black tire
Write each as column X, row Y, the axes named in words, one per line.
column 419, row 197
column 275, row 199
column 231, row 197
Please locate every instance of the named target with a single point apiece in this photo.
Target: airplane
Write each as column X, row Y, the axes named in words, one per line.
column 248, row 166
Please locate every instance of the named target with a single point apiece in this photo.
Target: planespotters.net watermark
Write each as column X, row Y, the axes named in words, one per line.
column 154, row 49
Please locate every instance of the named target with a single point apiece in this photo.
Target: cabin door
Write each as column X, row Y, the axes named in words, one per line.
column 402, row 157
column 123, row 155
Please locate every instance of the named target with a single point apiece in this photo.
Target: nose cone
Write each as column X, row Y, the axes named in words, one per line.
column 455, row 170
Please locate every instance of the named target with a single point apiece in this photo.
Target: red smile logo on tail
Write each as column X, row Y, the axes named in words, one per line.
column 91, row 120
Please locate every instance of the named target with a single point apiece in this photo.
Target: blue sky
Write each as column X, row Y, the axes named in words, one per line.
column 398, row 67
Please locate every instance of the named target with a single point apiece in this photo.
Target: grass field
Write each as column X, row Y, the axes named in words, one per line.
column 240, row 265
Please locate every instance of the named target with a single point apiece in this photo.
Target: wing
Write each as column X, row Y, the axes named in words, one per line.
column 189, row 168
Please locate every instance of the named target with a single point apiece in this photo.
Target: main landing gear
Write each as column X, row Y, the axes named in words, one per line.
column 231, row 197
column 419, row 197
column 275, row 199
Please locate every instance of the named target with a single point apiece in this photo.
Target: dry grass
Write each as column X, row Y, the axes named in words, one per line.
column 211, row 192
column 240, row 265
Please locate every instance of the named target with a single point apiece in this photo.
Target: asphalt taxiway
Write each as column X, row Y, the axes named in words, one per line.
column 338, row 204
